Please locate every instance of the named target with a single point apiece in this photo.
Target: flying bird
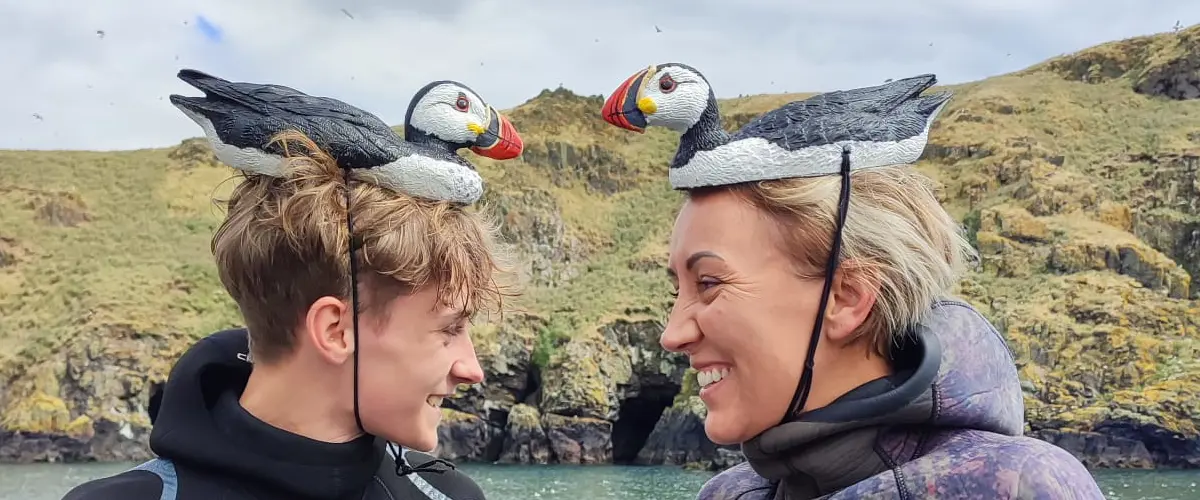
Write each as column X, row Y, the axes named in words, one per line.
column 239, row 119
column 882, row 125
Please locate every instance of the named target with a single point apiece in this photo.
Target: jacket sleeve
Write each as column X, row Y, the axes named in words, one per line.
column 129, row 485
column 1052, row 473
column 737, row 483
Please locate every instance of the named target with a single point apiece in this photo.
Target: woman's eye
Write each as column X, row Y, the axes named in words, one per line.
column 701, row 286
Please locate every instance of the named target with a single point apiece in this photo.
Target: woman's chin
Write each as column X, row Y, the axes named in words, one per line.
column 725, row 429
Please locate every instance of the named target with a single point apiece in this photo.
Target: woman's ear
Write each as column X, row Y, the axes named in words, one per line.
column 851, row 299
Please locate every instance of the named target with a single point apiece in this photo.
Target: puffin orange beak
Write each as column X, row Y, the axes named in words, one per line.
column 621, row 109
column 500, row 141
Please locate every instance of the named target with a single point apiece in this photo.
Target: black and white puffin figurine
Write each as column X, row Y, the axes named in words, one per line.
column 240, row 118
column 881, row 125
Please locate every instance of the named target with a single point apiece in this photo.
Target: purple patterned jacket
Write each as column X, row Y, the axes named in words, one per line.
column 948, row 425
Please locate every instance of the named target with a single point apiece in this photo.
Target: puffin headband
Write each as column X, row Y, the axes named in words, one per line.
column 882, row 125
column 239, row 120
column 834, row 133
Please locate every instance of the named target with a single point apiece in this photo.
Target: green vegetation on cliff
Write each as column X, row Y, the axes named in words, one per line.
column 1078, row 179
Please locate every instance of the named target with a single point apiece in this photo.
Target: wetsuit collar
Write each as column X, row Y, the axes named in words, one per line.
column 833, row 447
column 200, row 423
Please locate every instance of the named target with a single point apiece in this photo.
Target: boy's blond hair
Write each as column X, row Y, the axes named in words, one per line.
column 285, row 243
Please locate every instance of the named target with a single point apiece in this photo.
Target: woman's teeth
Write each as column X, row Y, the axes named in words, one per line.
column 434, row 401
column 711, row 376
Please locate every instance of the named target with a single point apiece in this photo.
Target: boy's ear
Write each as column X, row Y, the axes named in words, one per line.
column 327, row 330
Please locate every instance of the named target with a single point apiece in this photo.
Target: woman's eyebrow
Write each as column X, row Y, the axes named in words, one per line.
column 696, row 257
column 693, row 259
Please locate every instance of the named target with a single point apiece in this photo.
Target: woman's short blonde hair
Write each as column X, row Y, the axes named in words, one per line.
column 897, row 237
column 284, row 243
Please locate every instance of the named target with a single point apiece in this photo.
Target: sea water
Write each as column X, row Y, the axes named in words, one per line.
column 559, row 482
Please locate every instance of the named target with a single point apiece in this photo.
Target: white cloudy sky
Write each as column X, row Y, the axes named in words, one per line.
column 108, row 92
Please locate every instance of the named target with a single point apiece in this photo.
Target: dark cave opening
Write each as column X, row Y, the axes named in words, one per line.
column 156, row 394
column 497, row 422
column 533, row 387
column 636, row 420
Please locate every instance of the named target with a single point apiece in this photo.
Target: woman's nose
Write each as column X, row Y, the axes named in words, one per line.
column 681, row 332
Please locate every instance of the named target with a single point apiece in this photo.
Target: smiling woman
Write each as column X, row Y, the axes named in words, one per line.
column 812, row 265
column 749, row 263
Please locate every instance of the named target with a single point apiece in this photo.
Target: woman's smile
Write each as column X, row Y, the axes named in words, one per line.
column 709, row 378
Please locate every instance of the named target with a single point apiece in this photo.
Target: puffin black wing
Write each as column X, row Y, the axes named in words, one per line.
column 240, row 120
column 247, row 115
column 878, row 126
column 266, row 98
column 788, row 131
column 878, row 100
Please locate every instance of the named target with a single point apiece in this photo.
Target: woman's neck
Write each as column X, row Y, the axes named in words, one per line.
column 841, row 376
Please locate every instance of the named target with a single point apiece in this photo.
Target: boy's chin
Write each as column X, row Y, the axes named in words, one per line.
column 423, row 438
column 427, row 445
column 424, row 443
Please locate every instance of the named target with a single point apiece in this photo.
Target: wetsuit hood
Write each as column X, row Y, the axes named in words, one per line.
column 953, row 371
column 198, row 422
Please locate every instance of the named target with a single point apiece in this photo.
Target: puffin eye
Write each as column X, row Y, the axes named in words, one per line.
column 667, row 84
column 462, row 103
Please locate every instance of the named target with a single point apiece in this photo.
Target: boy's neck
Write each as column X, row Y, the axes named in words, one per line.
column 290, row 398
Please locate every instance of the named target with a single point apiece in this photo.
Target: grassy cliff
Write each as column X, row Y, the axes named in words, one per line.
column 1078, row 179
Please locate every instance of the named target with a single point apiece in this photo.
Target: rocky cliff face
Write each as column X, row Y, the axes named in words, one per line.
column 1161, row 65
column 1077, row 179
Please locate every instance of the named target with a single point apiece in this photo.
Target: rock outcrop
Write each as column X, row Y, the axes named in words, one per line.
column 1165, row 65
column 464, row 437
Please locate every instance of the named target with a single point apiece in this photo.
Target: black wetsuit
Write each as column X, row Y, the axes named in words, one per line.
column 220, row 451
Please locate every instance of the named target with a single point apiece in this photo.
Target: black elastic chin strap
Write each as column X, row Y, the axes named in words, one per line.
column 800, row 397
column 353, row 298
column 402, row 466
column 403, row 469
